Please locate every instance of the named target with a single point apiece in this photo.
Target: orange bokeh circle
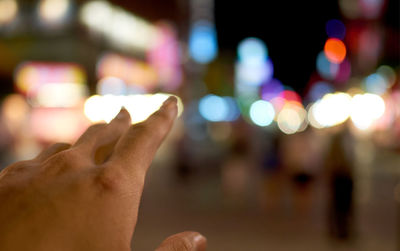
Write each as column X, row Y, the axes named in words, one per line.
column 335, row 50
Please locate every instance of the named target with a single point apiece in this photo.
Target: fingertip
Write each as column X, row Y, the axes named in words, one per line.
column 188, row 240
column 170, row 100
column 200, row 241
column 123, row 115
column 171, row 106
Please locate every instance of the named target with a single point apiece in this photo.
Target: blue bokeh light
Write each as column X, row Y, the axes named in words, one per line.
column 325, row 68
column 335, row 29
column 262, row 113
column 215, row 108
column 376, row 84
column 252, row 51
column 318, row 90
column 203, row 46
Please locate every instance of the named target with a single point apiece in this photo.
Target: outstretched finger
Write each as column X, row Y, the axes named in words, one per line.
column 98, row 141
column 136, row 148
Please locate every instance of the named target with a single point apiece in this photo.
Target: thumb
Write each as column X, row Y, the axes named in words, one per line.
column 185, row 241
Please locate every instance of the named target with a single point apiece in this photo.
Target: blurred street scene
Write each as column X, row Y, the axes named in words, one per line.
column 288, row 136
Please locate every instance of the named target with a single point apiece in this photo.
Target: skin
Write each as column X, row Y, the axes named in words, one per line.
column 86, row 196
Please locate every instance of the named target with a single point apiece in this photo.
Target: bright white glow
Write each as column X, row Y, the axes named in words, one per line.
column 53, row 11
column 203, row 46
column 366, row 109
column 105, row 108
column 60, row 94
column 262, row 113
column 332, row 109
column 252, row 51
column 119, row 26
column 8, row 11
column 102, row 108
column 311, row 118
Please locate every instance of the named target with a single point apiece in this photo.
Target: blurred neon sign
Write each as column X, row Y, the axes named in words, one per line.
column 131, row 71
column 51, row 84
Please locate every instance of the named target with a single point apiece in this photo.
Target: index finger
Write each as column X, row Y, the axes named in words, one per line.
column 135, row 149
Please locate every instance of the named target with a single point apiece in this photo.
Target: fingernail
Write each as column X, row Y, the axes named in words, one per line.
column 169, row 101
column 123, row 113
column 200, row 241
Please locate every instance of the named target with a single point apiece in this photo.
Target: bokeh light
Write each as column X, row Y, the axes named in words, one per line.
column 271, row 89
column 132, row 71
column 290, row 95
column 325, row 68
column 120, row 27
column 290, row 119
column 14, row 111
column 335, row 29
column 59, row 95
column 335, row 50
column 53, row 11
column 104, row 108
column 252, row 51
column 203, row 47
column 254, row 74
column 344, row 72
column 371, row 8
column 57, row 124
column 375, row 84
column 311, row 117
column 332, row 109
column 8, row 11
column 366, row 109
column 318, row 90
column 388, row 74
column 262, row 113
column 111, row 85
column 215, row 108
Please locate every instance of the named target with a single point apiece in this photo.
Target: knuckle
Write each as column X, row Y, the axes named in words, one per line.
column 18, row 168
column 110, row 180
column 65, row 159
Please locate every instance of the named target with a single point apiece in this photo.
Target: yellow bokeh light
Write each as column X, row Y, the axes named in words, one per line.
column 292, row 118
column 53, row 11
column 8, row 11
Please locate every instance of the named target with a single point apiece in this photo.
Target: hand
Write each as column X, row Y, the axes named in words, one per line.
column 86, row 196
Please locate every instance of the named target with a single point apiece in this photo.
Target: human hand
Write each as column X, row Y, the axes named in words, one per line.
column 86, row 196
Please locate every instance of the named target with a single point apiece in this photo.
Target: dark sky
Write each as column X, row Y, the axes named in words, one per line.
column 294, row 32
